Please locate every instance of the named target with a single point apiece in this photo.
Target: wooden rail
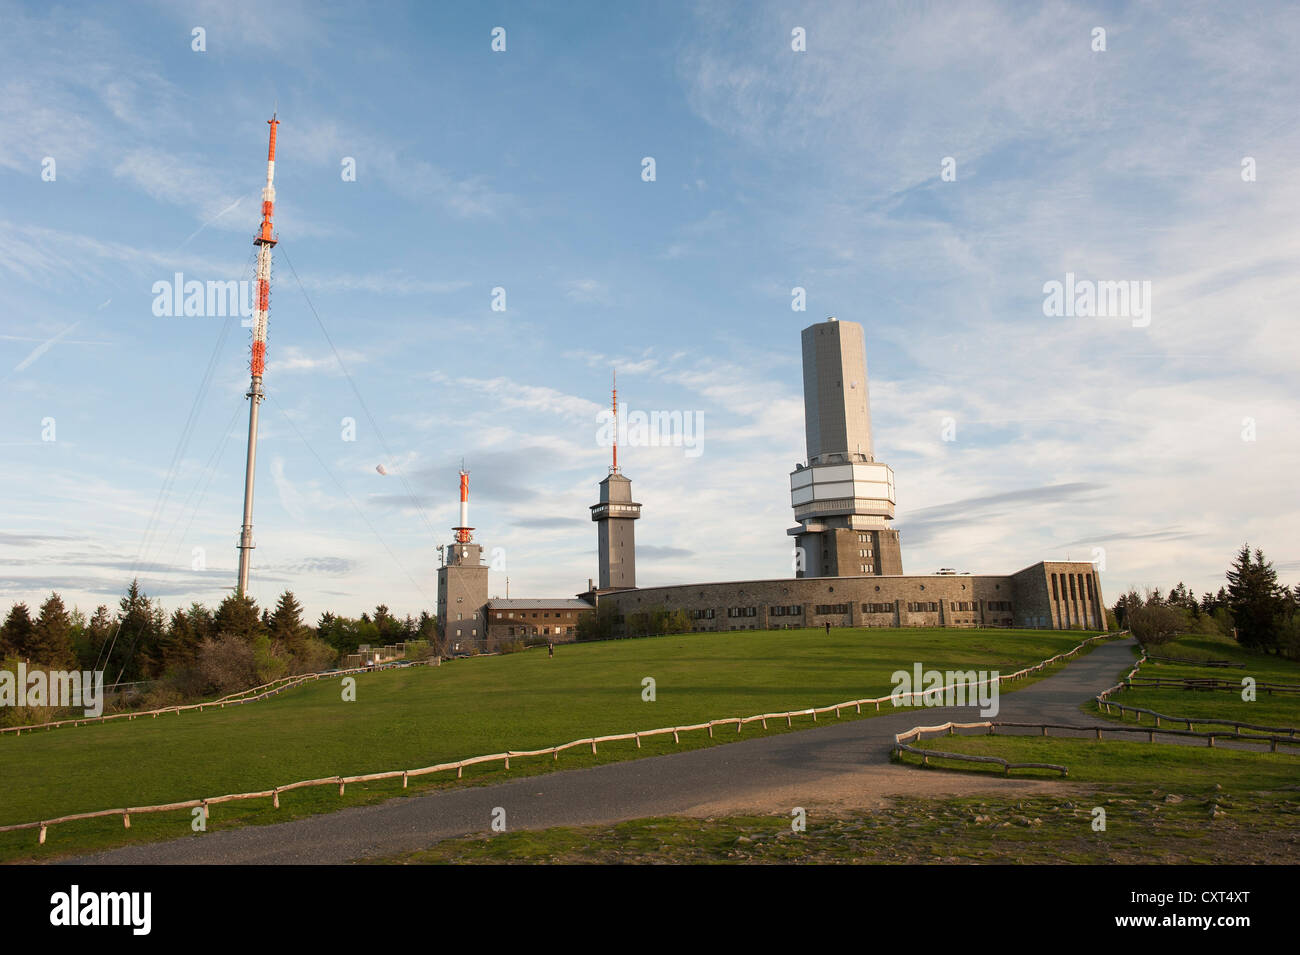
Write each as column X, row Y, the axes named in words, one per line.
column 1207, row 683
column 1198, row 663
column 1191, row 720
column 553, row 751
column 265, row 691
column 916, row 733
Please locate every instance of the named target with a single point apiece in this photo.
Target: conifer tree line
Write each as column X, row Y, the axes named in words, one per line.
column 1253, row 607
column 196, row 651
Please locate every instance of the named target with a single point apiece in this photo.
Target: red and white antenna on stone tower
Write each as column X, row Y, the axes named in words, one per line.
column 463, row 535
column 257, row 363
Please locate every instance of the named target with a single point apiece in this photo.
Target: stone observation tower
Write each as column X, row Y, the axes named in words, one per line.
column 842, row 497
column 462, row 584
column 615, row 517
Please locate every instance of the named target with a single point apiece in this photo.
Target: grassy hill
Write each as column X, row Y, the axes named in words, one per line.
column 417, row 717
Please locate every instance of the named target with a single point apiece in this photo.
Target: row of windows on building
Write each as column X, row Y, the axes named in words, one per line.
column 1058, row 588
column 796, row 610
column 509, row 614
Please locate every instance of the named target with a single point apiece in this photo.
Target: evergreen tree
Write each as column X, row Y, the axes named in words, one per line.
column 1255, row 599
column 185, row 633
column 51, row 644
column 201, row 622
column 139, row 634
column 1181, row 597
column 17, row 631
column 96, row 636
column 286, row 624
column 388, row 629
column 238, row 616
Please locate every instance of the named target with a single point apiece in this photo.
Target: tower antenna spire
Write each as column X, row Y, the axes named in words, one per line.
column 265, row 241
column 464, row 533
column 614, row 402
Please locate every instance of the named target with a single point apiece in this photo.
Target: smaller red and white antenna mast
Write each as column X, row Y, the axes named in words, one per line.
column 264, row 241
column 613, row 468
column 463, row 535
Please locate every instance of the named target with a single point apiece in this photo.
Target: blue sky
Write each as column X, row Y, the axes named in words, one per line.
column 522, row 170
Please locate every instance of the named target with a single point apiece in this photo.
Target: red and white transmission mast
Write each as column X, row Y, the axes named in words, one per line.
column 264, row 242
column 464, row 533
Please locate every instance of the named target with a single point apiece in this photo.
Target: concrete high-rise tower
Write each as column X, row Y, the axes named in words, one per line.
column 842, row 497
column 462, row 585
column 615, row 516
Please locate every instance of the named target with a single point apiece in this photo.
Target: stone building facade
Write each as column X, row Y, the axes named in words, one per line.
column 1059, row 595
column 462, row 594
column 552, row 619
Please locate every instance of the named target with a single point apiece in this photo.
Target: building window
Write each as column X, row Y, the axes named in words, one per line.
column 832, row 608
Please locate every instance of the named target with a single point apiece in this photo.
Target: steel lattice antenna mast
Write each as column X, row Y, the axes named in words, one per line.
column 264, row 242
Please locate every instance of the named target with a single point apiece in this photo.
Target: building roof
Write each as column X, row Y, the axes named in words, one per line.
column 559, row 603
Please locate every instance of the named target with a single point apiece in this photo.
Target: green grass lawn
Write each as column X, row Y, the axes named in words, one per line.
column 1279, row 709
column 421, row 716
column 1114, row 762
